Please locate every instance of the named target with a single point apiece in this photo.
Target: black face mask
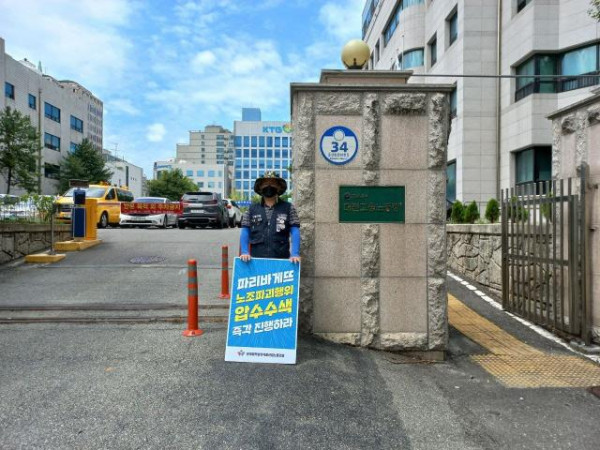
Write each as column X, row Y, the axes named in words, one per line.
column 269, row 191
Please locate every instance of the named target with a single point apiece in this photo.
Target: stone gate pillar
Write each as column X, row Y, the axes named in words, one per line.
column 373, row 260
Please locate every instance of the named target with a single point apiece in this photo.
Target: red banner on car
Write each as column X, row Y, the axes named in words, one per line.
column 150, row 208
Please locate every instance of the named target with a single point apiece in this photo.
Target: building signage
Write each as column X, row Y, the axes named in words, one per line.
column 263, row 316
column 339, row 145
column 287, row 128
column 372, row 204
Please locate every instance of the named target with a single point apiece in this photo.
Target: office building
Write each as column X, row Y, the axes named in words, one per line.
column 207, row 177
column 124, row 173
column 63, row 113
column 214, row 145
column 500, row 135
column 261, row 146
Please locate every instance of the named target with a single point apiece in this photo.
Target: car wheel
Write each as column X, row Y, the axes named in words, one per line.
column 181, row 225
column 103, row 220
column 232, row 222
column 165, row 222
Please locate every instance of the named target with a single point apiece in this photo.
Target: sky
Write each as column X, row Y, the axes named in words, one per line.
column 163, row 68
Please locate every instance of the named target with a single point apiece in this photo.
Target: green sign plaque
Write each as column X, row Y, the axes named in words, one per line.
column 372, row 204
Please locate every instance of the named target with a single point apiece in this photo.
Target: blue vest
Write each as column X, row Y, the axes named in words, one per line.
column 270, row 239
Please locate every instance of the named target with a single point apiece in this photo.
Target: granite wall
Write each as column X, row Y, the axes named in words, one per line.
column 19, row 240
column 379, row 285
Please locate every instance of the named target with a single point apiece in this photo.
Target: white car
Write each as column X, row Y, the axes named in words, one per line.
column 233, row 211
column 142, row 219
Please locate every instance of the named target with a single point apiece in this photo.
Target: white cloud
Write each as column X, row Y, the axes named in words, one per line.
column 80, row 40
column 342, row 19
column 156, row 132
column 121, row 105
column 203, row 59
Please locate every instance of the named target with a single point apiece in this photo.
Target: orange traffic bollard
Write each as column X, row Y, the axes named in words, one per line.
column 225, row 273
column 192, row 328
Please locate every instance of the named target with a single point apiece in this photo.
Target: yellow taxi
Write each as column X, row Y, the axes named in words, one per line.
column 109, row 203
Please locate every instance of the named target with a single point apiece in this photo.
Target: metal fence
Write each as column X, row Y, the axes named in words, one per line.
column 21, row 209
column 544, row 254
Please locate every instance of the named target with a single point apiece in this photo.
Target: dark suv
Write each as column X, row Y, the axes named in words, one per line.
column 202, row 209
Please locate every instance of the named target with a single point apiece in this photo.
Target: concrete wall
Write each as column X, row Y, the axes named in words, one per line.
column 19, row 240
column 475, row 251
column 375, row 285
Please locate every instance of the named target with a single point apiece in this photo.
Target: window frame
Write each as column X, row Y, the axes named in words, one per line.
column 49, row 141
column 52, row 113
column 453, row 18
column 9, row 90
column 432, row 47
column 29, row 98
column 75, row 121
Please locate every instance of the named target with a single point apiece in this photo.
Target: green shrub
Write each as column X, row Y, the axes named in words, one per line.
column 471, row 213
column 492, row 210
column 456, row 216
column 517, row 213
column 546, row 208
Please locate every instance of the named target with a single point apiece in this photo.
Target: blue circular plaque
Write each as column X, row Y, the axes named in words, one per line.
column 339, row 145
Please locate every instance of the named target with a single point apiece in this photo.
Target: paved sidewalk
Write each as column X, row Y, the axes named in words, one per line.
column 145, row 386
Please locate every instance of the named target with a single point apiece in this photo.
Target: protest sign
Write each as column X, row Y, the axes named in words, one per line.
column 263, row 316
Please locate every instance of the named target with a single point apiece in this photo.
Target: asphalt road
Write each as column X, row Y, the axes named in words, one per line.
column 95, row 386
column 106, row 275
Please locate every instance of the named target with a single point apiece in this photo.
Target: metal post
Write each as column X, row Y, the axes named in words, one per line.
column 586, row 295
column 52, row 211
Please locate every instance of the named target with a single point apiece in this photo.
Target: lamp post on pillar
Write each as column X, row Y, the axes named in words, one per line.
column 355, row 54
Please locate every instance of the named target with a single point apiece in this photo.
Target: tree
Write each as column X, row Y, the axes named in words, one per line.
column 492, row 210
column 594, row 10
column 85, row 163
column 19, row 147
column 471, row 213
column 235, row 195
column 171, row 184
column 457, row 212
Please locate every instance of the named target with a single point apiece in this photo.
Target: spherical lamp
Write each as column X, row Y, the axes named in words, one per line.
column 355, row 54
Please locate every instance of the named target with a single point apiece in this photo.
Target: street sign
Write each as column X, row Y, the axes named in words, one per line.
column 263, row 316
column 339, row 145
column 372, row 204
column 150, row 208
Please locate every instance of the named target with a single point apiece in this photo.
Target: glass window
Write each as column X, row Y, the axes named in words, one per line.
column 277, row 142
column 284, row 174
column 32, row 101
column 269, row 153
column 522, row 4
column 451, row 181
column 238, row 185
column 189, row 173
column 413, row 58
column 76, row 124
column 453, row 28
column 238, row 174
column 261, row 153
column 200, row 173
column 253, row 141
column 433, row 51
column 246, row 174
column 246, row 153
column 211, row 174
column 277, row 154
column 277, row 165
column 253, row 153
column 51, row 171
column 269, row 164
column 284, row 142
column 246, row 185
column 536, row 65
column 200, row 184
column 261, row 141
column 453, row 107
column 238, row 163
column 220, row 184
column 72, row 147
column 51, row 112
column 220, row 173
column 284, row 153
column 269, row 141
column 238, row 141
column 254, row 174
column 9, row 90
column 367, row 14
column 533, row 165
column 261, row 164
column 211, row 184
column 390, row 29
column 246, row 141
column 238, row 153
column 246, row 163
column 51, row 141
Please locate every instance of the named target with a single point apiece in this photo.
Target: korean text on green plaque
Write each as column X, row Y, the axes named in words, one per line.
column 372, row 204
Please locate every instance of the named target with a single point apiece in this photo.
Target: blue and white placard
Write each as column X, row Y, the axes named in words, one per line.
column 339, row 145
column 263, row 315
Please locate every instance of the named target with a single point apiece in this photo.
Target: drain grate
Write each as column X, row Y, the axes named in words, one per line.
column 147, row 259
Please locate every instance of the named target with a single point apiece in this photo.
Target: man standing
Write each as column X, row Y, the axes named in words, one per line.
column 268, row 225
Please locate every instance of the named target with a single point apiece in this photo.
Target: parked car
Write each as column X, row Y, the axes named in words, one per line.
column 202, row 209
column 234, row 212
column 109, row 203
column 145, row 217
